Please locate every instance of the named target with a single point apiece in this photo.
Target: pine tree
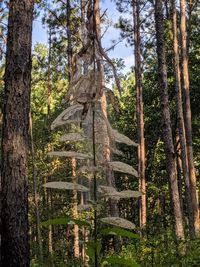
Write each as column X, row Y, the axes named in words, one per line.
column 14, row 193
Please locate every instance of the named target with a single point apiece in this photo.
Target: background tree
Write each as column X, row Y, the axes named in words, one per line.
column 188, row 120
column 140, row 112
column 166, row 123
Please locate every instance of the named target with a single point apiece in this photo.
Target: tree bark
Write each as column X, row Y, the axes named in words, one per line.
column 74, row 179
column 188, row 120
column 140, row 114
column 181, row 123
column 15, row 137
column 166, row 120
column 49, row 76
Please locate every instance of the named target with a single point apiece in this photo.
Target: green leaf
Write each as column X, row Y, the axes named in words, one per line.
column 119, row 232
column 121, row 261
column 90, row 250
column 65, row 221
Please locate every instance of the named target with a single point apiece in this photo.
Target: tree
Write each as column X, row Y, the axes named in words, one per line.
column 181, row 124
column 140, row 113
column 166, row 120
column 15, row 137
column 188, row 119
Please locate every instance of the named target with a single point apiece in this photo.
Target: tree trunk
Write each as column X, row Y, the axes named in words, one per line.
column 49, row 77
column 106, row 152
column 140, row 113
column 15, row 137
column 74, row 179
column 181, row 124
column 166, row 123
column 188, row 121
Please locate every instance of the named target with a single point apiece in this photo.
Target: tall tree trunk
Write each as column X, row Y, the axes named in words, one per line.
column 15, row 137
column 74, row 179
column 140, row 113
column 49, row 79
column 106, row 152
column 188, row 119
column 166, row 123
column 181, row 124
column 49, row 91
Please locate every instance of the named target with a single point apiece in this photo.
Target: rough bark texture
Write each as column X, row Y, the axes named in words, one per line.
column 166, row 123
column 188, row 119
column 14, row 229
column 140, row 113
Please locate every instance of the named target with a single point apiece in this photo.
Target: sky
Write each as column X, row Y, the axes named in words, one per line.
column 120, row 51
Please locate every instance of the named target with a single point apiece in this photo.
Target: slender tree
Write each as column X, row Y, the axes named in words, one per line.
column 188, row 118
column 166, row 121
column 181, row 123
column 15, row 137
column 74, row 198
column 140, row 113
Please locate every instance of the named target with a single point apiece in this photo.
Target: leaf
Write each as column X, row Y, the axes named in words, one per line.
column 70, row 154
column 90, row 250
column 72, row 137
column 119, row 232
column 65, row 221
column 63, row 118
column 120, row 260
column 122, row 167
column 121, row 138
column 116, row 221
column 66, row 186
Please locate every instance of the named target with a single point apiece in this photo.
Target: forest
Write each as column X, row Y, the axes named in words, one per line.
column 100, row 160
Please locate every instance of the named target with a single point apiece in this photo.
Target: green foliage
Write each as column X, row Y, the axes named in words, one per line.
column 65, row 221
column 119, row 261
column 93, row 247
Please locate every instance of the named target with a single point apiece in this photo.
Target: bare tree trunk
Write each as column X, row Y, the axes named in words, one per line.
column 75, row 211
column 49, row 91
column 15, row 138
column 181, row 124
column 166, row 123
column 49, row 80
column 179, row 165
column 140, row 114
column 74, row 198
column 188, row 121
